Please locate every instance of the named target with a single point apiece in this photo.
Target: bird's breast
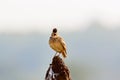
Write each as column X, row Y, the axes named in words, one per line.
column 54, row 44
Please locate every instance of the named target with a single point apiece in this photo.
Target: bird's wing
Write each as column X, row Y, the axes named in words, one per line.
column 62, row 42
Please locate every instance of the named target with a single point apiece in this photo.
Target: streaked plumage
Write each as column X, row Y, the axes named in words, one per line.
column 57, row 43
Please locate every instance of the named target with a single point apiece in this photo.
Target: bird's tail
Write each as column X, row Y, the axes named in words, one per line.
column 64, row 54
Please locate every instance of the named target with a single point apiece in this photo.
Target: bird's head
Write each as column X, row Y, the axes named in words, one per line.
column 54, row 32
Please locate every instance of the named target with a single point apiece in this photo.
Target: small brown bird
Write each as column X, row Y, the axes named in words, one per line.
column 57, row 43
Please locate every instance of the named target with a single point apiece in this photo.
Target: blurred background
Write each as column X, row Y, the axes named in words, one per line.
column 91, row 30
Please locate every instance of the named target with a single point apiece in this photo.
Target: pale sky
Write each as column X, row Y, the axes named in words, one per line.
column 68, row 15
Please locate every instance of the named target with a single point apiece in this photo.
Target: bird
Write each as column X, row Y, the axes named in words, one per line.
column 57, row 43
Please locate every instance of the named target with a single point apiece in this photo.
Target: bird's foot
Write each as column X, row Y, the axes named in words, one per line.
column 57, row 54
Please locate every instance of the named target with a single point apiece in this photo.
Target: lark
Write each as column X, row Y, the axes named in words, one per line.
column 57, row 43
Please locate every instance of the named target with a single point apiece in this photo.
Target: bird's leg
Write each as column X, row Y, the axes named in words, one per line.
column 59, row 54
column 56, row 54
